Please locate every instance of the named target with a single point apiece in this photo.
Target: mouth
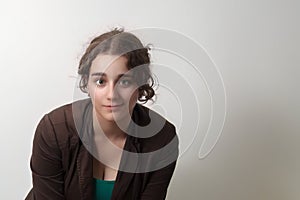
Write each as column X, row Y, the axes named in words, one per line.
column 112, row 107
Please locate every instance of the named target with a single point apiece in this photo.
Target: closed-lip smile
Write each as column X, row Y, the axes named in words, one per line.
column 112, row 106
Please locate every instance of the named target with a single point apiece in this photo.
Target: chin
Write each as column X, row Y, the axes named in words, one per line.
column 113, row 117
column 110, row 116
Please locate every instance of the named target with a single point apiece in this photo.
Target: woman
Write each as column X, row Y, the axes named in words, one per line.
column 107, row 146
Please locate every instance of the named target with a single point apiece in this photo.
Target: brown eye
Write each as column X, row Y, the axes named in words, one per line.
column 100, row 82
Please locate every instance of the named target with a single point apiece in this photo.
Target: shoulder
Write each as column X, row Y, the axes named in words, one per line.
column 155, row 130
column 58, row 125
column 66, row 113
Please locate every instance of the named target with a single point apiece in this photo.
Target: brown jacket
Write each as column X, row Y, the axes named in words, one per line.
column 61, row 162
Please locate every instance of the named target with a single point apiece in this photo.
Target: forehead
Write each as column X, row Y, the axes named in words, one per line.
column 109, row 64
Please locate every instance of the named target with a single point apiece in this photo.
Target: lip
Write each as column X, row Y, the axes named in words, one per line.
column 112, row 107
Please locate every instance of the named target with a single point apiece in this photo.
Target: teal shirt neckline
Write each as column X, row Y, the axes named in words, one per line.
column 103, row 189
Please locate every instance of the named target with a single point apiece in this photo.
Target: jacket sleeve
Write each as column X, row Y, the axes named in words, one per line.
column 158, row 182
column 46, row 164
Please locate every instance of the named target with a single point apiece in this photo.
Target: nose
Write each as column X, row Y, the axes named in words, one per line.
column 112, row 92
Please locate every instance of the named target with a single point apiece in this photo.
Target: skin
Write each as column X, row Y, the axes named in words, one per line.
column 114, row 94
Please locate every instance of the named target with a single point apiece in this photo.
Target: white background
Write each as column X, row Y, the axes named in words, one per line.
column 255, row 45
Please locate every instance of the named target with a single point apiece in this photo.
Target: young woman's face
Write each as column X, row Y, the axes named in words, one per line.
column 112, row 88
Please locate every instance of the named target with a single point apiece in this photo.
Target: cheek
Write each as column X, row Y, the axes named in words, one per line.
column 127, row 94
column 91, row 91
column 134, row 97
column 95, row 94
column 90, row 88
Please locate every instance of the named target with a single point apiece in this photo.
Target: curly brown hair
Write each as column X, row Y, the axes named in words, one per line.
column 118, row 42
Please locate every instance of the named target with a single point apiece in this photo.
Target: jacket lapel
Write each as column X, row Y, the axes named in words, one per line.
column 128, row 169
column 82, row 113
column 85, row 174
column 128, row 166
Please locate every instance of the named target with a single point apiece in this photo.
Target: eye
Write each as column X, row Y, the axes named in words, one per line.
column 125, row 82
column 100, row 82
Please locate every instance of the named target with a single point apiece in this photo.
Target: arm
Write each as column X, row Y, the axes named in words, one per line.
column 158, row 183
column 159, row 180
column 46, row 165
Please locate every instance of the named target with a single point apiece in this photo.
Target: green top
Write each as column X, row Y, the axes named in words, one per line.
column 103, row 189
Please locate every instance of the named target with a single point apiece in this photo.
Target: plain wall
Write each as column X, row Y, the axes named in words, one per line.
column 254, row 44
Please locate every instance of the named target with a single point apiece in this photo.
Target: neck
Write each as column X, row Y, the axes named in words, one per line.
column 109, row 141
column 111, row 129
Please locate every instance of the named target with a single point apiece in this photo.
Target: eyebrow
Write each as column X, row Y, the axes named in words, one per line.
column 98, row 74
column 104, row 74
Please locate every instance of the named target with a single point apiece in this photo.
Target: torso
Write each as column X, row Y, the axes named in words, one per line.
column 106, row 168
column 100, row 171
column 107, row 152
